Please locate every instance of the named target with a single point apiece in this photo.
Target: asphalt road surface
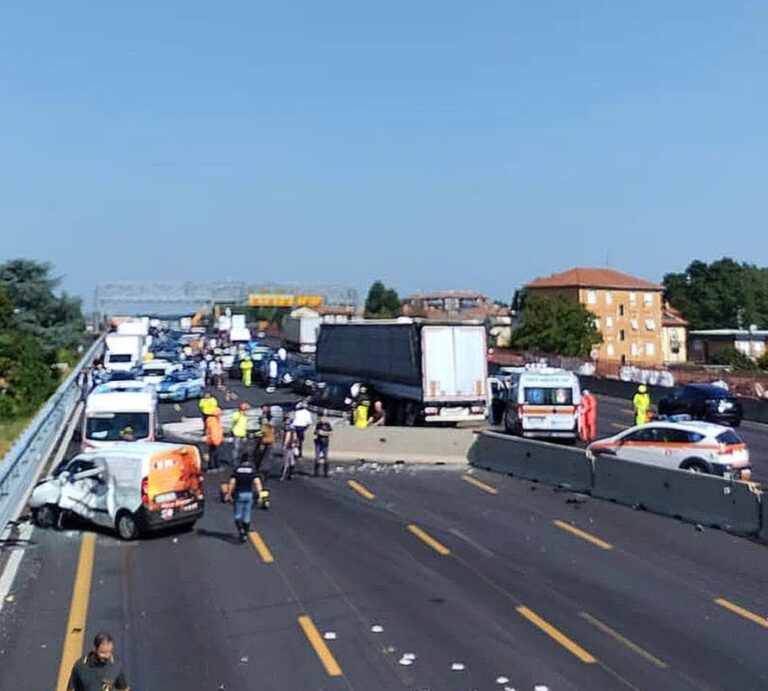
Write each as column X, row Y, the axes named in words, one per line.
column 400, row 578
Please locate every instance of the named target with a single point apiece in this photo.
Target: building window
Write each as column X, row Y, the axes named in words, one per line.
column 634, row 324
column 647, row 299
column 609, row 350
column 634, row 350
column 650, row 349
column 633, row 298
column 621, row 310
column 650, row 324
column 609, row 298
column 621, row 335
column 597, row 323
column 609, row 322
column 591, row 297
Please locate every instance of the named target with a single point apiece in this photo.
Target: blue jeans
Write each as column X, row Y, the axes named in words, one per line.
column 243, row 507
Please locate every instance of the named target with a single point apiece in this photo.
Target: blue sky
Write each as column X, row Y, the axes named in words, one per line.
column 430, row 144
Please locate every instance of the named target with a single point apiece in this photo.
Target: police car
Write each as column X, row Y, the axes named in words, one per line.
column 681, row 443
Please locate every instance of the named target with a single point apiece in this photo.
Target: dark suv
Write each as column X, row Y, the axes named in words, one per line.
column 703, row 402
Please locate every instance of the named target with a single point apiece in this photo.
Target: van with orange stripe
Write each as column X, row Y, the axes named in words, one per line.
column 543, row 402
column 700, row 447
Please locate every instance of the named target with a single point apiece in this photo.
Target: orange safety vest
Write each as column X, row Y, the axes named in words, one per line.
column 214, row 432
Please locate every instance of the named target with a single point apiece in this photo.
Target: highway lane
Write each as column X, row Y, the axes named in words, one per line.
column 454, row 572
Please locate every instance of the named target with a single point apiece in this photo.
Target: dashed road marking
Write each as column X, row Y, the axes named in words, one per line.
column 634, row 647
column 361, row 490
column 556, row 635
column 261, row 547
column 480, row 485
column 602, row 544
column 320, row 647
column 751, row 616
column 425, row 537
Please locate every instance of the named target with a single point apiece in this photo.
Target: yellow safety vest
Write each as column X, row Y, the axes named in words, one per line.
column 239, row 424
column 208, row 405
column 361, row 416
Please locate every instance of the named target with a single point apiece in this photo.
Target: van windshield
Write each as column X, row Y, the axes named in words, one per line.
column 119, row 357
column 111, row 426
column 541, row 395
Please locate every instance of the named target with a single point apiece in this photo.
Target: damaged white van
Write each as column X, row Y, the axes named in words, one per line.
column 131, row 488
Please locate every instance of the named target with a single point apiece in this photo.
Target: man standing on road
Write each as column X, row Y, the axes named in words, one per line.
column 301, row 422
column 587, row 416
column 243, row 486
column 214, row 436
column 323, row 431
column 99, row 670
column 642, row 404
column 239, row 432
column 246, row 368
column 267, row 441
column 207, row 405
column 289, row 448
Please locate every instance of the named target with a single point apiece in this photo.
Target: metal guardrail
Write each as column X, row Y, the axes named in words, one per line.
column 23, row 461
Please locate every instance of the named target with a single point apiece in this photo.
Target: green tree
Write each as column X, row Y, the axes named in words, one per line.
column 38, row 311
column 555, row 325
column 762, row 362
column 382, row 302
column 732, row 357
column 723, row 294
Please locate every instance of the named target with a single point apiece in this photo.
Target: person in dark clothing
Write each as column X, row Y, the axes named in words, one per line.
column 323, row 431
column 99, row 670
column 245, row 481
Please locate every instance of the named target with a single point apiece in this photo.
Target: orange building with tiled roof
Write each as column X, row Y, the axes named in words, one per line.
column 628, row 311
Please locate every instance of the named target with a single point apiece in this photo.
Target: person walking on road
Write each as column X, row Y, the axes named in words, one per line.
column 323, row 432
column 587, row 416
column 289, row 448
column 246, row 369
column 302, row 419
column 207, row 405
column 264, row 464
column 214, row 436
column 244, row 486
column 642, row 404
column 239, row 432
column 99, row 670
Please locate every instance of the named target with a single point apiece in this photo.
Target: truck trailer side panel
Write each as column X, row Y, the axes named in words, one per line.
column 453, row 362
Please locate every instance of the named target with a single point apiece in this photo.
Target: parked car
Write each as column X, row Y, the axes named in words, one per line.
column 701, row 447
column 703, row 402
column 181, row 386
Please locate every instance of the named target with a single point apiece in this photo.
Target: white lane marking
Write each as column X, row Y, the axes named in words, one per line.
column 14, row 561
column 457, row 667
column 376, row 628
column 329, row 636
column 462, row 536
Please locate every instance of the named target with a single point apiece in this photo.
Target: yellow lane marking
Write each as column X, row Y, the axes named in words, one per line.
column 619, row 425
column 479, row 485
column 634, row 647
column 756, row 618
column 322, row 651
column 558, row 636
column 362, row 491
column 602, row 544
column 261, row 547
column 78, row 612
column 439, row 547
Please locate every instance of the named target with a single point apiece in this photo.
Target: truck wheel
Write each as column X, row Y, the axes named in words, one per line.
column 47, row 516
column 126, row 526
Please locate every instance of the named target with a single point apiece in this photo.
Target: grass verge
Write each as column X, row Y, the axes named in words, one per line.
column 9, row 430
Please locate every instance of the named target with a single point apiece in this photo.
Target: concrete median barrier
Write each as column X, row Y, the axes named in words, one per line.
column 764, row 519
column 533, row 460
column 712, row 501
column 399, row 444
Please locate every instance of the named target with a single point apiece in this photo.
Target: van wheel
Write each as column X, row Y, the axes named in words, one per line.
column 695, row 465
column 126, row 526
column 47, row 516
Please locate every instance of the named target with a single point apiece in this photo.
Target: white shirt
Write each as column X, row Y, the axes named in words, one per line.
column 302, row 418
column 273, row 369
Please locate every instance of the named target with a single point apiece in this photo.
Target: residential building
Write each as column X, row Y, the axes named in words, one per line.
column 674, row 336
column 451, row 304
column 628, row 311
column 335, row 314
column 703, row 344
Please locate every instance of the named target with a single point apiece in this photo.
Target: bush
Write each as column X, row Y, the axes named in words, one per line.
column 734, row 358
column 762, row 361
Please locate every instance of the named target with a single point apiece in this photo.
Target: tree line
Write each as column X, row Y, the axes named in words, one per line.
column 39, row 328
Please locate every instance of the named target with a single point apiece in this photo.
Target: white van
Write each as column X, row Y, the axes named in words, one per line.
column 543, row 402
column 154, row 371
column 132, row 488
column 109, row 416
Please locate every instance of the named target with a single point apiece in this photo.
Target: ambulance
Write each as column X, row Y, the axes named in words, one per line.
column 130, row 488
column 543, row 402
